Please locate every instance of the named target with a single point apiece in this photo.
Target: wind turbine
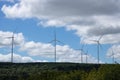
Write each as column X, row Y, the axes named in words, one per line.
column 98, row 46
column 81, row 49
column 55, row 43
column 87, row 57
column 12, row 46
column 113, row 58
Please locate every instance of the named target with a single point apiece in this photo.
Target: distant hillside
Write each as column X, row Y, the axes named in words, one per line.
column 51, row 66
column 58, row 71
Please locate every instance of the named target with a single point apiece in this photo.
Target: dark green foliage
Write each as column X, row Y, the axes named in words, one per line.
column 59, row 71
column 109, row 72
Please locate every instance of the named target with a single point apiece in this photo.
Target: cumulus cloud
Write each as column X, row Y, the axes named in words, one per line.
column 52, row 23
column 64, row 53
column 114, row 51
column 16, row 58
column 37, row 48
column 58, row 8
column 90, row 59
column 6, row 38
column 89, row 18
column 45, row 50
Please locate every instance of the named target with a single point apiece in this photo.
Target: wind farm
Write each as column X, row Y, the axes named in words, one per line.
column 59, row 40
column 81, row 51
column 82, row 55
column 98, row 47
column 55, row 43
column 34, row 26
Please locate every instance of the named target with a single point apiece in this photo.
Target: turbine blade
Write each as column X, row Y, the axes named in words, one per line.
column 100, row 38
column 60, row 42
column 14, row 32
column 51, row 41
column 87, row 52
column 112, row 52
column 94, row 40
column 13, row 35
column 8, row 37
column 100, row 45
column 79, row 49
column 82, row 46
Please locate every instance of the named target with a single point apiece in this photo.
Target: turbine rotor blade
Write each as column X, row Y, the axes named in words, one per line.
column 14, row 31
column 100, row 38
column 60, row 42
column 51, row 41
column 94, row 41
column 8, row 37
column 100, row 46
column 112, row 52
column 87, row 52
column 79, row 49
column 82, row 46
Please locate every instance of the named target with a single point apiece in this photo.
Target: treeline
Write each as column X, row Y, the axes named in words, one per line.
column 59, row 71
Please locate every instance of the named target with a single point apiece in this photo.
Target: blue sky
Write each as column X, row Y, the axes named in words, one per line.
column 34, row 22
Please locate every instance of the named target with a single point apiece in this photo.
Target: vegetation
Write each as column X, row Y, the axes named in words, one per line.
column 59, row 71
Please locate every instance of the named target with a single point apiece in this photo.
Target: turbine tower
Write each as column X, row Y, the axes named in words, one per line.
column 86, row 57
column 81, row 49
column 12, row 46
column 98, row 47
column 55, row 43
column 113, row 58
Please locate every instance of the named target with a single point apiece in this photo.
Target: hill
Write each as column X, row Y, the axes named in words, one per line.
column 59, row 71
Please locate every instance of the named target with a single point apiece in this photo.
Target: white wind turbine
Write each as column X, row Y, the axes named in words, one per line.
column 86, row 57
column 12, row 46
column 113, row 58
column 55, row 43
column 98, row 47
column 82, row 51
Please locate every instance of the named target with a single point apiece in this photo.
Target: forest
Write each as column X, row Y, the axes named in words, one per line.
column 59, row 71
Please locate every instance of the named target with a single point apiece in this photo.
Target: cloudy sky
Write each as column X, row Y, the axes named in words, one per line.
column 76, row 22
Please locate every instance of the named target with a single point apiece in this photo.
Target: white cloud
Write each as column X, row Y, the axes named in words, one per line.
column 90, row 59
column 52, row 23
column 88, row 20
column 16, row 58
column 64, row 53
column 35, row 49
column 62, row 8
column 41, row 61
column 23, row 9
column 114, row 51
column 5, row 38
